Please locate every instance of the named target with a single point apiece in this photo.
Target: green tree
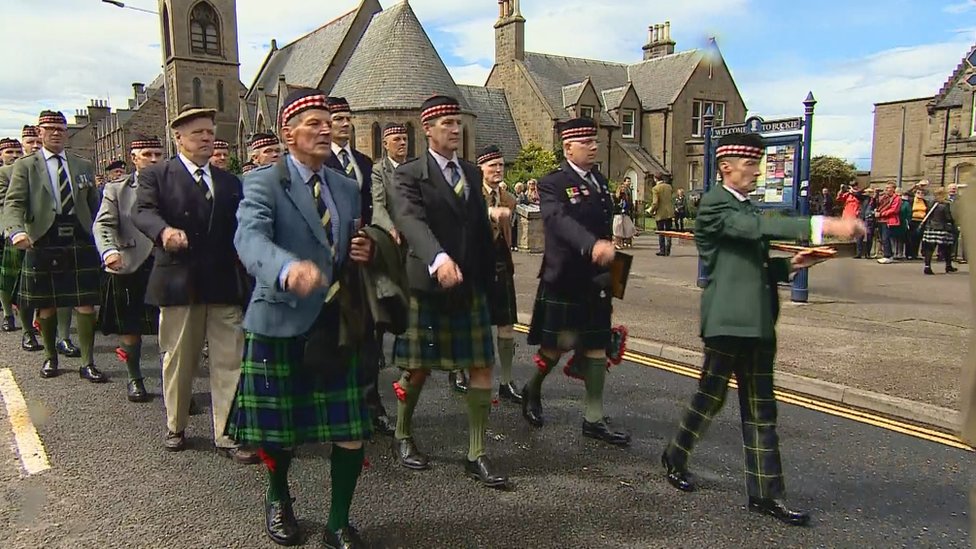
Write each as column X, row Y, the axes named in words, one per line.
column 830, row 172
column 532, row 162
column 234, row 165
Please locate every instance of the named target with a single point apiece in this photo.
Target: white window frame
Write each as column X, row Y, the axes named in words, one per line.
column 628, row 134
column 698, row 121
column 972, row 127
column 583, row 112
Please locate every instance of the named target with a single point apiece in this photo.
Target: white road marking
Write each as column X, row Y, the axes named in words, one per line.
column 29, row 445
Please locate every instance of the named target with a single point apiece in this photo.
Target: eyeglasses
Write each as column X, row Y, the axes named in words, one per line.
column 54, row 129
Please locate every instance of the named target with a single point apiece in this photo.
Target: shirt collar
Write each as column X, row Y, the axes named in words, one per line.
column 393, row 163
column 336, row 148
column 582, row 173
column 49, row 155
column 442, row 161
column 738, row 196
column 489, row 189
column 193, row 167
column 304, row 170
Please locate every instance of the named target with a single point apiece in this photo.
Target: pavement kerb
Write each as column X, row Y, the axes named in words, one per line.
column 921, row 413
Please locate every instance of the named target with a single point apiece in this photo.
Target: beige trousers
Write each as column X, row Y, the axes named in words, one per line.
column 182, row 331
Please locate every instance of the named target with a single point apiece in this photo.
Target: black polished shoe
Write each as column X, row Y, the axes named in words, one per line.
column 532, row 407
column 137, row 391
column 67, row 348
column 508, row 391
column 240, row 455
column 600, row 430
column 28, row 342
column 92, row 374
column 195, row 409
column 343, row 538
column 174, row 442
column 459, row 381
column 384, row 425
column 951, row 269
column 480, row 470
column 50, row 368
column 280, row 523
column 406, row 452
column 777, row 509
column 678, row 478
column 9, row 324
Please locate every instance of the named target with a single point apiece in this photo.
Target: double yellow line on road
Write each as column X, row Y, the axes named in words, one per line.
column 809, row 403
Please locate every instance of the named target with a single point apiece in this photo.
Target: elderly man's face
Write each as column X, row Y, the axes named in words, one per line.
column 9, row 156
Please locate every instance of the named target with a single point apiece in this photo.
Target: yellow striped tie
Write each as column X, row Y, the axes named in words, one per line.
column 327, row 224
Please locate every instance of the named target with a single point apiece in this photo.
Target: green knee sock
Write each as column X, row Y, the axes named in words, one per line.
column 535, row 384
column 132, row 363
column 346, row 467
column 596, row 376
column 479, row 404
column 49, row 327
column 27, row 318
column 64, row 323
column 5, row 302
column 506, row 354
column 86, row 336
column 277, row 462
column 405, row 408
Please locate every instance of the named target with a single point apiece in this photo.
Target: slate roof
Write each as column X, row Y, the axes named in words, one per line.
column 659, row 81
column 952, row 93
column 613, row 97
column 552, row 72
column 572, row 93
column 382, row 77
column 641, row 157
column 304, row 61
column 494, row 125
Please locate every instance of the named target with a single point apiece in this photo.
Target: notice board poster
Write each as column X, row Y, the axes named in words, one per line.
column 777, row 171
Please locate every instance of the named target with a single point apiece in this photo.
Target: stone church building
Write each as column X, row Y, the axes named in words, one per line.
column 939, row 133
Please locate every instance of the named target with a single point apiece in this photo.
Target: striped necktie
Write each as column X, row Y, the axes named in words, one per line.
column 346, row 164
column 202, row 184
column 326, row 217
column 64, row 189
column 456, row 181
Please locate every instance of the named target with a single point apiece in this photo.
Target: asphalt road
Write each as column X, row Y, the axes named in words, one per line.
column 111, row 484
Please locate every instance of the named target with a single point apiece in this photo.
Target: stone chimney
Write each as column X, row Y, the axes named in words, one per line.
column 138, row 88
column 659, row 41
column 81, row 117
column 97, row 110
column 509, row 32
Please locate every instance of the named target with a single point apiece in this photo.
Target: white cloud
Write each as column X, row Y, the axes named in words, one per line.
column 961, row 7
column 473, row 74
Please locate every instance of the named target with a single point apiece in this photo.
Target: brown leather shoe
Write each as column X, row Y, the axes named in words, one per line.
column 174, row 442
column 240, row 455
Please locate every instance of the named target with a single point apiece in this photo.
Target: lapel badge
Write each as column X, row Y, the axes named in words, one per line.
column 586, row 191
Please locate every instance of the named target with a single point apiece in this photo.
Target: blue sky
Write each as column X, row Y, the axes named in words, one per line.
column 851, row 54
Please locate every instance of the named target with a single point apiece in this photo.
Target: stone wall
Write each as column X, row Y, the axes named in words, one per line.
column 886, row 140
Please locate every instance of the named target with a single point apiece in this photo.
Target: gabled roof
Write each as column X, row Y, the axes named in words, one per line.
column 659, row 81
column 613, row 97
column 952, row 93
column 572, row 93
column 304, row 61
column 379, row 76
column 647, row 163
column 494, row 125
column 552, row 72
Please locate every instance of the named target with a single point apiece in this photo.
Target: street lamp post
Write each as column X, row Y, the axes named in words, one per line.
column 118, row 4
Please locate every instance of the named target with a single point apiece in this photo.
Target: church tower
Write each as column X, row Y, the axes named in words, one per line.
column 199, row 46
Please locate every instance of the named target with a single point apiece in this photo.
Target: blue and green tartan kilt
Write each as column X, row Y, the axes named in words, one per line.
column 566, row 321
column 444, row 337
column 280, row 402
column 10, row 265
column 502, row 306
column 124, row 310
column 61, row 271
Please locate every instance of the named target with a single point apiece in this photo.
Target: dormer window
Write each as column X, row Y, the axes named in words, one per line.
column 627, row 125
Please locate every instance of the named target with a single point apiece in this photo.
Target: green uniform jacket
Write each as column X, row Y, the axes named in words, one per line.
column 740, row 298
column 30, row 204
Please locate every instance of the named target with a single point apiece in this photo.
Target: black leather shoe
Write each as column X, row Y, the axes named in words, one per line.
column 458, row 381
column 67, row 348
column 384, row 425
column 480, row 470
column 28, row 342
column 343, row 538
column 951, row 269
column 137, row 391
column 532, row 407
column 409, row 456
column 174, row 442
column 50, row 368
column 508, row 391
column 600, row 430
column 195, row 409
column 239, row 455
column 92, row 374
column 678, row 478
column 778, row 510
column 9, row 324
column 280, row 523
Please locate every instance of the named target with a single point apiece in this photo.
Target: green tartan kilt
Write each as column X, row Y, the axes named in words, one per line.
column 503, row 309
column 12, row 261
column 441, row 337
column 568, row 321
column 124, row 310
column 280, row 402
column 61, row 271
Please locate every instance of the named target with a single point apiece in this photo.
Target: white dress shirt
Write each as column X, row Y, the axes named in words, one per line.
column 192, row 168
column 51, row 162
column 352, row 160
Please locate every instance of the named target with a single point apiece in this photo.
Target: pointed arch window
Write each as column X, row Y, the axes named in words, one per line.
column 197, row 93
column 204, row 29
column 167, row 47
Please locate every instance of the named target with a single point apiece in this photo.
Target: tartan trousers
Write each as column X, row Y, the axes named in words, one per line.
column 751, row 360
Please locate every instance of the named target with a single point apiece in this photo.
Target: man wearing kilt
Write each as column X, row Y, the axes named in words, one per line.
column 49, row 212
column 301, row 379
column 125, row 251
column 13, row 257
column 739, row 308
column 10, row 151
column 572, row 306
column 441, row 214
column 504, row 312
column 265, row 149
